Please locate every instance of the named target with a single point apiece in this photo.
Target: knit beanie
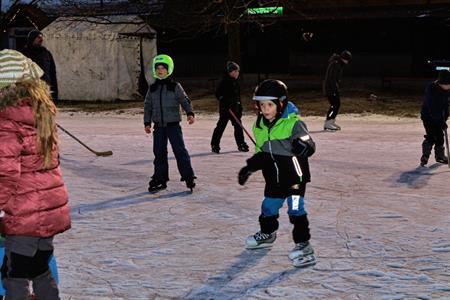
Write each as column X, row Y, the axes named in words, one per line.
column 14, row 67
column 32, row 35
column 232, row 66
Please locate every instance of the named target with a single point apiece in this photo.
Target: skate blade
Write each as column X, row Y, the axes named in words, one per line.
column 260, row 246
column 291, row 257
column 156, row 191
column 304, row 261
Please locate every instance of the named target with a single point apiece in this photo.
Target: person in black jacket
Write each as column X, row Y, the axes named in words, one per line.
column 434, row 115
column 229, row 96
column 43, row 57
column 331, row 82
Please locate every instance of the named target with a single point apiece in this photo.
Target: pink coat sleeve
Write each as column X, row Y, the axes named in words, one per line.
column 10, row 168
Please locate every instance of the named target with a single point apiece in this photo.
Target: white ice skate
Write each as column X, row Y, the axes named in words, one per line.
column 300, row 250
column 260, row 240
column 304, row 261
column 329, row 126
column 333, row 122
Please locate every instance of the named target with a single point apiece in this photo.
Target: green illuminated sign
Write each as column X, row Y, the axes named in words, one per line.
column 265, row 11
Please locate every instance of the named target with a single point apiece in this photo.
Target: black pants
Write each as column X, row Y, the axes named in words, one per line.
column 172, row 132
column 335, row 104
column 21, row 266
column 224, row 117
column 434, row 133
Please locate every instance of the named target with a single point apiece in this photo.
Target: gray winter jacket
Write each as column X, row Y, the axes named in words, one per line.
column 162, row 103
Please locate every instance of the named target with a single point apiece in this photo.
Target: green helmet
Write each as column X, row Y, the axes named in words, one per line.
column 165, row 60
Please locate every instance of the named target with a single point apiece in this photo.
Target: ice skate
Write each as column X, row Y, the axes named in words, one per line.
column 260, row 240
column 190, row 184
column 304, row 261
column 328, row 126
column 155, row 186
column 215, row 149
column 423, row 160
column 335, row 125
column 439, row 155
column 300, row 250
column 243, row 147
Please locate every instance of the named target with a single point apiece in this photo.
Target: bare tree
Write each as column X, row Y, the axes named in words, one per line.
column 13, row 10
column 183, row 19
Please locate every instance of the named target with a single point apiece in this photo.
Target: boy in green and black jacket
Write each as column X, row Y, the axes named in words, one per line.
column 283, row 146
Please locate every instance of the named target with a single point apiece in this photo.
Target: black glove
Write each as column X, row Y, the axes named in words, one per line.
column 244, row 174
column 444, row 125
column 300, row 148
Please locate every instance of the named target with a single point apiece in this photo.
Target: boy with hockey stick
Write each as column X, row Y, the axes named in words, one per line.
column 283, row 146
column 162, row 107
column 434, row 115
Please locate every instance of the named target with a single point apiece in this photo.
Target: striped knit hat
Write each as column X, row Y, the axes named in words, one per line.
column 14, row 67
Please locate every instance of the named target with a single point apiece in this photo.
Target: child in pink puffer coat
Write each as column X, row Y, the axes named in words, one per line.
column 33, row 197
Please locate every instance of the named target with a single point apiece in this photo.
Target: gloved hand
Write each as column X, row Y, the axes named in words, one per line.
column 300, row 148
column 244, row 174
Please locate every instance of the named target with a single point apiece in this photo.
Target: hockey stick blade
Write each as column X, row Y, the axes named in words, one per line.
column 105, row 153
column 98, row 153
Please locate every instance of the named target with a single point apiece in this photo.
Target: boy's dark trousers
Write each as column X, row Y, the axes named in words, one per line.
column 18, row 269
column 224, row 117
column 335, row 104
column 434, row 136
column 173, row 133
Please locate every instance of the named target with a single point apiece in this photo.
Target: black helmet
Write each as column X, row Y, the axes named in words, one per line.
column 347, row 55
column 273, row 90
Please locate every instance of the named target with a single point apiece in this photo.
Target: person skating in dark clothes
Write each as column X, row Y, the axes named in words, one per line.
column 333, row 76
column 228, row 94
column 434, row 115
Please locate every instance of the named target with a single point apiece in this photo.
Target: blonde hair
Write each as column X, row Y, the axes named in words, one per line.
column 45, row 112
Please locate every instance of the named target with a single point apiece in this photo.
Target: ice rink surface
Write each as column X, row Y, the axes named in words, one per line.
column 380, row 224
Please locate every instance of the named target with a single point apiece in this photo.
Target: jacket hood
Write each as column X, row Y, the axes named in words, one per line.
column 334, row 57
column 12, row 95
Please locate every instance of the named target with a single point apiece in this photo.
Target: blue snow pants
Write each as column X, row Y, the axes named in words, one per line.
column 270, row 207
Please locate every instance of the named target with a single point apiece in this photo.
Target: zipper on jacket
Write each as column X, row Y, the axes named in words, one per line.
column 273, row 158
column 160, row 106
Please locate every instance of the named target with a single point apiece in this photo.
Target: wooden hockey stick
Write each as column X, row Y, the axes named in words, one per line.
column 98, row 153
column 446, row 145
column 242, row 126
